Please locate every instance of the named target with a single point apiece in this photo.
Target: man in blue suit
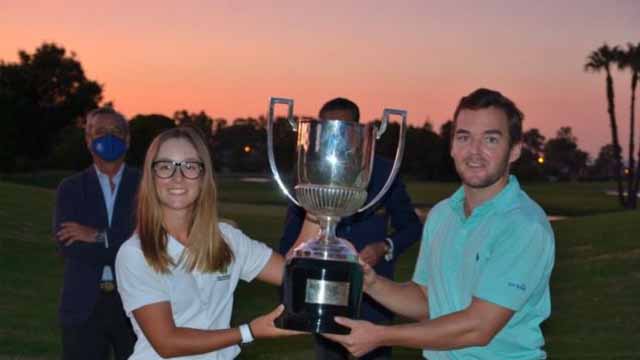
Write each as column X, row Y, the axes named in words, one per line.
column 367, row 231
column 93, row 217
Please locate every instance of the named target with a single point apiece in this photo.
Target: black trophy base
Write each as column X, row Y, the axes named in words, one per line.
column 315, row 291
column 314, row 325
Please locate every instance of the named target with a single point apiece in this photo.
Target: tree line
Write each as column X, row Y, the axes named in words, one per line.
column 45, row 95
column 603, row 59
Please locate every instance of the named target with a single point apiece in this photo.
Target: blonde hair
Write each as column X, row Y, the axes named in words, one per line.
column 207, row 251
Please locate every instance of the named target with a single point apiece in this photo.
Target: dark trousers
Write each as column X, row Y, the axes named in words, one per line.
column 107, row 328
column 329, row 350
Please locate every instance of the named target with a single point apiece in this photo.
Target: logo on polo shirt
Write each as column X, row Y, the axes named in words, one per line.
column 224, row 277
column 519, row 286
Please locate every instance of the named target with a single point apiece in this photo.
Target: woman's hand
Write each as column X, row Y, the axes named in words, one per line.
column 264, row 327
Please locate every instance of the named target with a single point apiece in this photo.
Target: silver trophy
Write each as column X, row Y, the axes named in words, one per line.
column 322, row 277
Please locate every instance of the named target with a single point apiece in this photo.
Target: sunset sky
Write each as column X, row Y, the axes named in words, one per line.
column 228, row 57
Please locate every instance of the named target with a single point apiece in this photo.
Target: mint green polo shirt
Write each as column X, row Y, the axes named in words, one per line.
column 503, row 253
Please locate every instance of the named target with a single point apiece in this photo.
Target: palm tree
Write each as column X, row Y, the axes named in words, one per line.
column 630, row 59
column 598, row 60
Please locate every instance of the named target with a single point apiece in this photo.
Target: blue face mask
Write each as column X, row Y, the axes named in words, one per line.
column 109, row 147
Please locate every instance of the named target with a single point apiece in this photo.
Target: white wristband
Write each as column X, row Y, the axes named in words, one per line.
column 245, row 333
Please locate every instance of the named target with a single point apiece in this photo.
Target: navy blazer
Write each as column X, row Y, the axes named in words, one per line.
column 79, row 198
column 370, row 227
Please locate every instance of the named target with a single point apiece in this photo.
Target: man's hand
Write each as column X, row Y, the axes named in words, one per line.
column 369, row 275
column 363, row 338
column 71, row 232
column 264, row 326
column 372, row 253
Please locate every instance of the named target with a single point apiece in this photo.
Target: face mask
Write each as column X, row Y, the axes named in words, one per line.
column 109, row 147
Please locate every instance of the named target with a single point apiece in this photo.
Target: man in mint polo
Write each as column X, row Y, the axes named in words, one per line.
column 480, row 288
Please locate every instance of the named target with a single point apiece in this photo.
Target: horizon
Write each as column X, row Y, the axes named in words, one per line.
column 228, row 58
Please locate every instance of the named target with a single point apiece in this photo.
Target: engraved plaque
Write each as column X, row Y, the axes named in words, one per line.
column 327, row 292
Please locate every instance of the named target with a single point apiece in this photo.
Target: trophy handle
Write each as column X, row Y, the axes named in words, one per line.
column 399, row 152
column 384, row 122
column 272, row 159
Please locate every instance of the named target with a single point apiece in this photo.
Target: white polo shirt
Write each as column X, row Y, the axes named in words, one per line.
column 198, row 300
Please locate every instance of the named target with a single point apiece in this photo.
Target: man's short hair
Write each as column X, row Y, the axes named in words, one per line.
column 486, row 98
column 95, row 114
column 340, row 104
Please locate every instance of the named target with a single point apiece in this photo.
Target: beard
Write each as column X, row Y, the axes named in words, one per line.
column 474, row 180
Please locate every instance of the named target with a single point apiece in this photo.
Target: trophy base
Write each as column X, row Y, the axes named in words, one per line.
column 315, row 291
column 314, row 325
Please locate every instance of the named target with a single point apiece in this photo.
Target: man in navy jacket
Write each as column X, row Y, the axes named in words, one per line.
column 93, row 217
column 367, row 231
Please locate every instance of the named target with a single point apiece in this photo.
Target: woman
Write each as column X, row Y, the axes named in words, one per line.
column 177, row 273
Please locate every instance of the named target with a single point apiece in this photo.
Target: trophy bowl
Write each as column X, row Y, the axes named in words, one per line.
column 323, row 278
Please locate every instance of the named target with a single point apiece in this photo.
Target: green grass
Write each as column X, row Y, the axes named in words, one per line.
column 566, row 198
column 595, row 284
column 31, row 272
column 234, row 190
column 596, row 288
column 47, row 179
column 574, row 198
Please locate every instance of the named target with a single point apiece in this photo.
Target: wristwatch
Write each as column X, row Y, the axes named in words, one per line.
column 388, row 256
column 101, row 237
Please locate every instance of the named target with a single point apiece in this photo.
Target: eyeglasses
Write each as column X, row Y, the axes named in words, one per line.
column 189, row 169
